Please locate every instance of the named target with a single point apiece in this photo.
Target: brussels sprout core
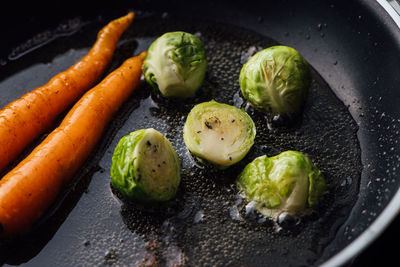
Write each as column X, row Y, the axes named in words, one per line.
column 145, row 167
column 287, row 183
column 219, row 133
column 175, row 64
column 276, row 80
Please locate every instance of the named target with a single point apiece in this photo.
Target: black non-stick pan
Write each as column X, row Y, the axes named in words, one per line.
column 349, row 127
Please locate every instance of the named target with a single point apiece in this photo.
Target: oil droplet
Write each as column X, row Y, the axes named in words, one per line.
column 110, row 256
column 250, row 208
column 164, row 15
column 198, row 217
column 197, row 34
column 237, row 100
column 246, row 55
column 287, row 220
column 234, row 213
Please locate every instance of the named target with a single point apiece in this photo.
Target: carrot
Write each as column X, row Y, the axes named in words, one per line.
column 33, row 185
column 23, row 120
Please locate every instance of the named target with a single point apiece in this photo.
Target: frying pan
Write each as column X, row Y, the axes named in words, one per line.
column 353, row 48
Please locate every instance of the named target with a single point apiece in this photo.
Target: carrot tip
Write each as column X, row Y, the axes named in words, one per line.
column 130, row 15
column 143, row 55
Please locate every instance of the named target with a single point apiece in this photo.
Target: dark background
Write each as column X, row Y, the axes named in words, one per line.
column 384, row 251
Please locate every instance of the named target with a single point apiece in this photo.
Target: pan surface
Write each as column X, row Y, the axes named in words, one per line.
column 349, row 128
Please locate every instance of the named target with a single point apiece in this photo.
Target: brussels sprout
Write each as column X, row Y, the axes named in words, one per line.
column 145, row 167
column 219, row 133
column 287, row 183
column 276, row 80
column 175, row 64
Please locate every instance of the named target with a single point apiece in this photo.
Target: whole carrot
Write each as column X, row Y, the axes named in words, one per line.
column 23, row 120
column 32, row 186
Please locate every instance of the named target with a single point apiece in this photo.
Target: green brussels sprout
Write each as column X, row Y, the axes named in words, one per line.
column 276, row 80
column 176, row 64
column 218, row 133
column 287, row 183
column 145, row 167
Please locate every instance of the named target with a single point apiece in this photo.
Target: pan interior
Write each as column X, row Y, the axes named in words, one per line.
column 207, row 224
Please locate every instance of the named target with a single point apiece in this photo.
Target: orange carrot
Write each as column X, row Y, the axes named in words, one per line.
column 33, row 185
column 23, row 120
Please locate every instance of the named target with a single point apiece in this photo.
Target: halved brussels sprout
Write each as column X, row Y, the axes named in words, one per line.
column 219, row 133
column 287, row 183
column 175, row 64
column 276, row 80
column 145, row 167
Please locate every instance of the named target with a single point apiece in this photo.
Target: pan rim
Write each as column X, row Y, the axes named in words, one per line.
column 368, row 236
column 390, row 212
